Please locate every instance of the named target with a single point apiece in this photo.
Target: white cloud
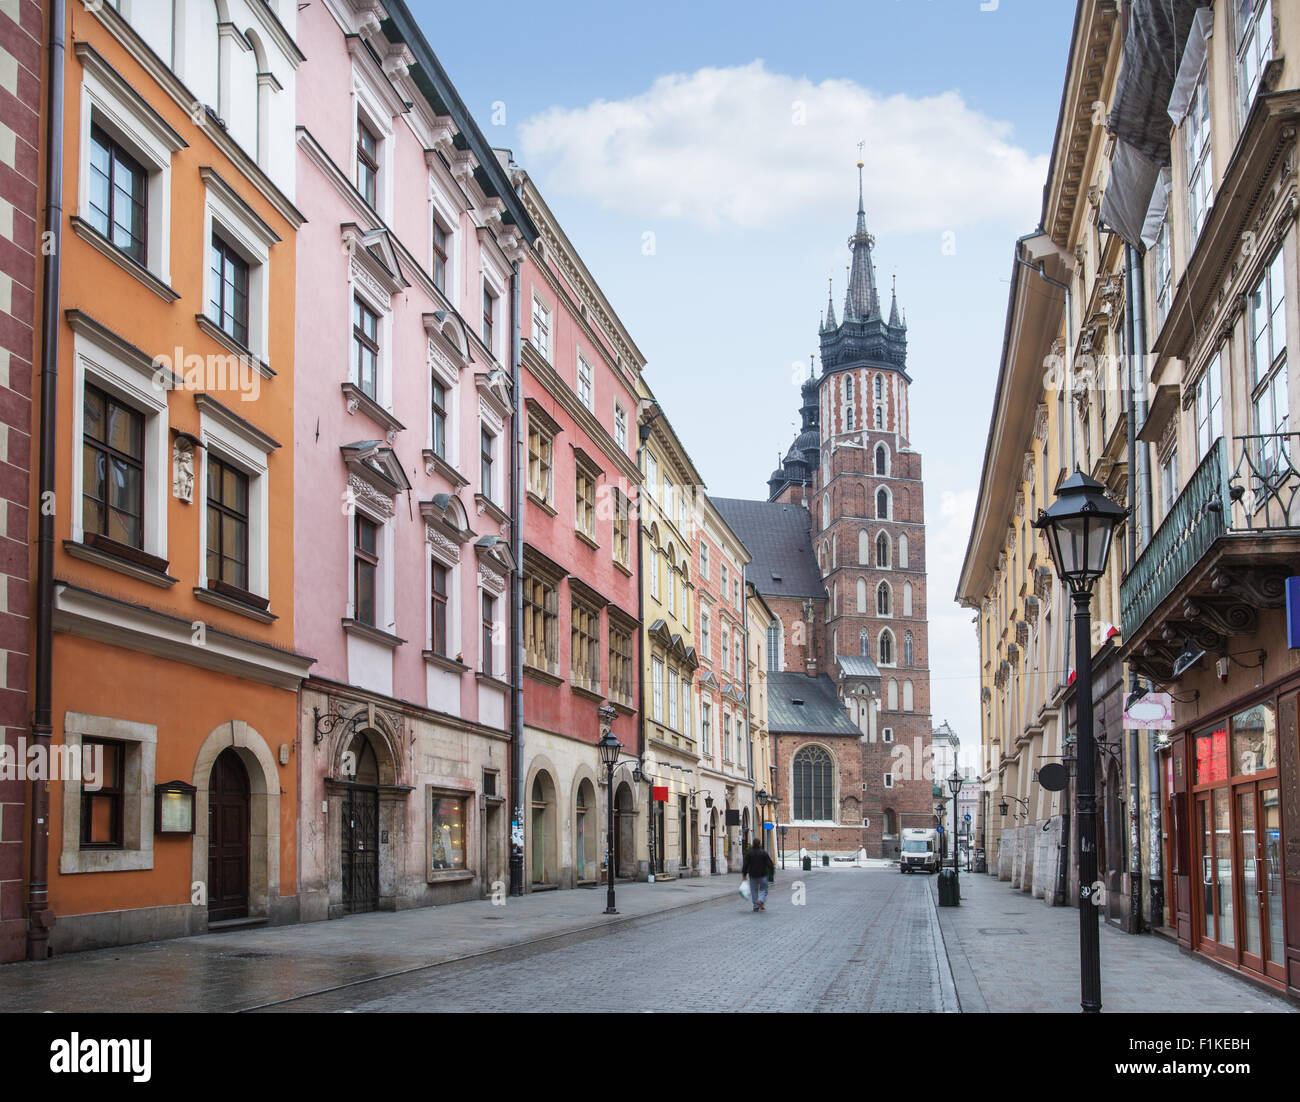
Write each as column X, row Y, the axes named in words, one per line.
column 724, row 146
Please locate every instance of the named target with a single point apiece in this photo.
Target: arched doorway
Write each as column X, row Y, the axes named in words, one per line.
column 228, row 821
column 586, row 832
column 360, row 826
column 542, row 833
column 624, row 832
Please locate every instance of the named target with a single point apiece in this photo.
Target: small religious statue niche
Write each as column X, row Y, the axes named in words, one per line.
column 183, row 468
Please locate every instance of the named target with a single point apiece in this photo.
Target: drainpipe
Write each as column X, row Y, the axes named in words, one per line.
column 643, row 434
column 1131, row 269
column 517, row 594
column 1155, row 871
column 40, row 918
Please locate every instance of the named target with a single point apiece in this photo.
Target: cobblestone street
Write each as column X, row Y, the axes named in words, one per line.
column 862, row 941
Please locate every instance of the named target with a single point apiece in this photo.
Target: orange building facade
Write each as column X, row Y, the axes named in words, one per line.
column 174, row 673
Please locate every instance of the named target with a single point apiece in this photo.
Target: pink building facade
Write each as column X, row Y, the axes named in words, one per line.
column 722, row 691
column 404, row 438
column 581, row 569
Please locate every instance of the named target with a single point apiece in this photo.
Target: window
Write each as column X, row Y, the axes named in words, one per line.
column 541, row 329
column 774, row 647
column 704, row 634
column 726, row 737
column 879, row 388
column 541, row 625
column 101, row 810
column 1163, row 271
column 706, row 729
column 1168, row 479
column 740, row 662
column 907, row 696
column 1209, row 415
column 447, row 832
column 726, row 649
column 848, row 388
column 585, row 385
column 889, row 780
column 882, row 550
column 652, row 475
column 438, row 642
column 735, row 592
column 488, row 649
column 441, row 241
column 541, row 452
column 228, row 306
column 882, row 504
column 365, row 565
column 654, row 573
column 886, row 648
column 1197, row 144
column 622, row 528
column 584, row 655
column 657, row 685
column 672, row 697
column 848, row 419
column 365, row 349
column 880, row 417
column 487, row 449
column 584, row 500
column 113, row 469
column 439, row 420
column 884, row 599
column 620, row 664
column 864, row 645
column 725, row 579
column 227, row 524
column 882, row 460
column 489, row 317
column 704, row 561
column 620, row 427
column 1254, row 49
column 909, row 650
column 118, row 204
column 813, row 784
column 367, row 163
column 672, row 583
column 887, row 734
column 1267, row 308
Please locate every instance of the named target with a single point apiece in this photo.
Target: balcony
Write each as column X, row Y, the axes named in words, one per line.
column 1223, row 553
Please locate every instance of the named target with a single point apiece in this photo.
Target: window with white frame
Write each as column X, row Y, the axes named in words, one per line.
column 657, row 689
column 124, row 173
column 673, row 699
column 1254, row 19
column 121, row 476
column 365, row 348
column 622, row 527
column 704, row 561
column 488, row 479
column 237, row 278
column 489, row 321
column 706, row 728
column 586, row 383
column 442, row 254
column 652, row 475
column 726, row 737
column 1196, row 138
column 1268, row 367
column 367, row 161
column 654, row 573
column 686, row 705
column 235, row 523
column 620, row 427
column 725, row 578
column 889, row 780
column 887, row 734
column 726, row 649
column 541, row 328
column 885, row 648
column 585, row 498
column 1209, row 415
column 704, row 634
column 1163, row 271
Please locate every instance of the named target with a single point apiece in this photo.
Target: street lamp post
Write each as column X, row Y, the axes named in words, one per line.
column 1079, row 527
column 954, row 786
column 610, row 748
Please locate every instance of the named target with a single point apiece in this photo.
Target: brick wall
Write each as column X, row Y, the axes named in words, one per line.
column 21, row 57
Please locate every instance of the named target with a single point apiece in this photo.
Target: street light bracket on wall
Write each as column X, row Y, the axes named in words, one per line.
column 324, row 724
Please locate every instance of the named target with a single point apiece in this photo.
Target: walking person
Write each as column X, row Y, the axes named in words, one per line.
column 758, row 869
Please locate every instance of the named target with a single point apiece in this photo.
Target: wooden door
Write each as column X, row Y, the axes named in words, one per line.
column 228, row 807
column 360, row 849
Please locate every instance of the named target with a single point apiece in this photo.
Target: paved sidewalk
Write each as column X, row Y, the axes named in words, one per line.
column 1010, row 952
column 243, row 969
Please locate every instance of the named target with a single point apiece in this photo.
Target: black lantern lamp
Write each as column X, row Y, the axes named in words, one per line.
column 610, row 748
column 1079, row 528
column 954, row 786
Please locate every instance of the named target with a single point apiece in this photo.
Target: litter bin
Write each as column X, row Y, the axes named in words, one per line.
column 826, row 860
column 807, row 864
column 948, row 896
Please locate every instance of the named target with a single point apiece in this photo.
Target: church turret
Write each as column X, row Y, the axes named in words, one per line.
column 830, row 305
column 893, row 306
column 861, row 301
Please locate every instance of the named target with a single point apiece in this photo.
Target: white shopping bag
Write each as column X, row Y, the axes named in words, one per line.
column 744, row 888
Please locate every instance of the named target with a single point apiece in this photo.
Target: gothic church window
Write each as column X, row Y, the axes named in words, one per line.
column 882, row 550
column 813, row 784
column 883, row 599
column 882, row 504
column 886, row 648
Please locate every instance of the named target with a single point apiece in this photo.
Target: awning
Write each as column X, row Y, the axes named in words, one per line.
column 1189, row 69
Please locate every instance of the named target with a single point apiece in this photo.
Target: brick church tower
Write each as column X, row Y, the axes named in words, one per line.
column 854, row 481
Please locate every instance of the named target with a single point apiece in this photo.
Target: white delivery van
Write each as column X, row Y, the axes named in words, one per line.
column 920, row 850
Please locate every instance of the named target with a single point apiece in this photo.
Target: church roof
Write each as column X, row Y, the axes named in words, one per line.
column 801, row 705
column 778, row 537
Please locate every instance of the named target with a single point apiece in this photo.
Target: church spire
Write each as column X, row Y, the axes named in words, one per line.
column 861, row 301
column 893, row 303
column 830, row 303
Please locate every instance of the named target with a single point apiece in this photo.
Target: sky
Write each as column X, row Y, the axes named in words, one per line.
column 701, row 158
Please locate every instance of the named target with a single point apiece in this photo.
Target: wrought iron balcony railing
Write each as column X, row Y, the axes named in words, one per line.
column 1258, row 493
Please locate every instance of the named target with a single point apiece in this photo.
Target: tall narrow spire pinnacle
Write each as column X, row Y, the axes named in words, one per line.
column 893, row 303
column 830, row 303
column 861, row 302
